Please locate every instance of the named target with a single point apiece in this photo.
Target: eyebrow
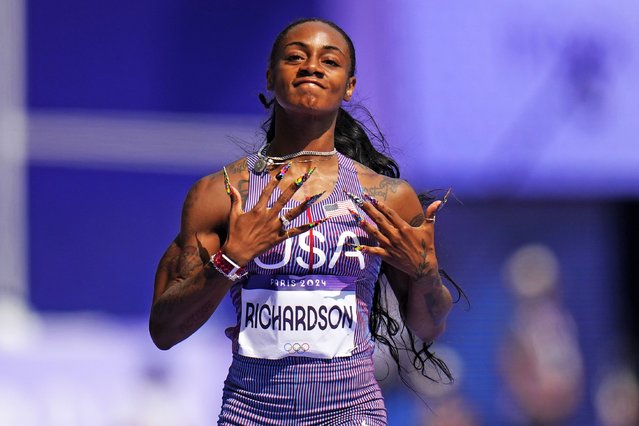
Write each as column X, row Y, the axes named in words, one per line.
column 305, row 46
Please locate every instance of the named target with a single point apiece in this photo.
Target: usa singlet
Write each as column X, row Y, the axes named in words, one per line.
column 302, row 349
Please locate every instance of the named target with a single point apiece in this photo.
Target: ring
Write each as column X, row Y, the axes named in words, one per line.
column 285, row 222
column 430, row 219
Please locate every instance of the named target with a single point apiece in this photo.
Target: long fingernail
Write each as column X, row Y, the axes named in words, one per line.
column 283, row 171
column 356, row 216
column 227, row 182
column 300, row 180
column 313, row 198
column 445, row 199
column 356, row 247
column 357, row 200
column 317, row 222
column 370, row 199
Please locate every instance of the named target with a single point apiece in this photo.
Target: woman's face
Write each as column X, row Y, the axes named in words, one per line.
column 310, row 73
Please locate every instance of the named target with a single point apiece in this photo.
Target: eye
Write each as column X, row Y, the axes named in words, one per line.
column 294, row 57
column 331, row 62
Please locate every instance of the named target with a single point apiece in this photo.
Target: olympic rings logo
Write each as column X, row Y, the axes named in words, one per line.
column 298, row 348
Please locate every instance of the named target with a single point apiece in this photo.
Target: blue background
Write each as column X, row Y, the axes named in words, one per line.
column 497, row 117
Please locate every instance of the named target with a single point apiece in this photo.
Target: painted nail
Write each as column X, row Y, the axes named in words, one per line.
column 370, row 199
column 357, row 200
column 227, row 182
column 356, row 216
column 445, row 199
column 300, row 180
column 283, row 171
column 356, row 247
column 317, row 222
column 313, row 198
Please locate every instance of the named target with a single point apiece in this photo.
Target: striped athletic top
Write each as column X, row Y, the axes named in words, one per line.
column 322, row 254
column 302, row 351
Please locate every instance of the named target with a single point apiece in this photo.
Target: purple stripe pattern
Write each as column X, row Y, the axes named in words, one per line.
column 301, row 390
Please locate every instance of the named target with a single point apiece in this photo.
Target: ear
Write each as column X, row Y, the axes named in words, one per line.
column 269, row 80
column 350, row 87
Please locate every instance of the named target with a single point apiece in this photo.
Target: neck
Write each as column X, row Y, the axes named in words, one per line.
column 294, row 133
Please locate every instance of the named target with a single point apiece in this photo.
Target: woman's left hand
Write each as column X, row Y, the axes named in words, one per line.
column 408, row 248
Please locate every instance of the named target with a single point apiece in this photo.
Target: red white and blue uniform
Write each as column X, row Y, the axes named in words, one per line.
column 302, row 349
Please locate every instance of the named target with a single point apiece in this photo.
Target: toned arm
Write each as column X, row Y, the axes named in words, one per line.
column 187, row 290
column 411, row 264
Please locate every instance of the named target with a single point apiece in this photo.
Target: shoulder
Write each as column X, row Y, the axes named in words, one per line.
column 396, row 193
column 207, row 204
column 384, row 188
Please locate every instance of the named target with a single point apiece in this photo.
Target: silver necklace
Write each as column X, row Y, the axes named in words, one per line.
column 266, row 161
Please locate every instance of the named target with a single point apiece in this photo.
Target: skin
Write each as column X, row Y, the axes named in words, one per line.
column 310, row 79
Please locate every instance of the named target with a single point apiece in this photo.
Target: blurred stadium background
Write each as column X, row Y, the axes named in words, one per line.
column 109, row 111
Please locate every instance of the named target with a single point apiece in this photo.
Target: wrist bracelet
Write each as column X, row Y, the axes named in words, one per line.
column 225, row 266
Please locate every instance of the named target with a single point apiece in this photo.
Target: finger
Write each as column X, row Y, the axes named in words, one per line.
column 370, row 229
column 236, row 200
column 265, row 196
column 299, row 209
column 292, row 232
column 288, row 193
column 387, row 220
column 431, row 211
column 372, row 250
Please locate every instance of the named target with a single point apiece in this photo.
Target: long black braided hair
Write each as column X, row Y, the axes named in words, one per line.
column 353, row 140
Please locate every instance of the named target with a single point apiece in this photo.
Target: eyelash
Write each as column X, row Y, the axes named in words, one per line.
column 296, row 57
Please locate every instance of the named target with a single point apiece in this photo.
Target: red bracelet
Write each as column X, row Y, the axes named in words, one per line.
column 227, row 267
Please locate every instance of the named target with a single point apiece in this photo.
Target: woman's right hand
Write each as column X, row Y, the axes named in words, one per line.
column 254, row 232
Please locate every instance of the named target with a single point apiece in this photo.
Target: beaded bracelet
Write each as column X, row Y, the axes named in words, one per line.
column 227, row 267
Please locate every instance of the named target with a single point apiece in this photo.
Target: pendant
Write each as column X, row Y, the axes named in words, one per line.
column 260, row 166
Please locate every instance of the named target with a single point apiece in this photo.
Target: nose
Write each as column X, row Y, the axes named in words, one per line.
column 310, row 67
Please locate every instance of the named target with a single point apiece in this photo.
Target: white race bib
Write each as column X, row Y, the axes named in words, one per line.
column 286, row 315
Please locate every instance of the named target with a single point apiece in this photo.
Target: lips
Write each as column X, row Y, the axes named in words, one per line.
column 308, row 81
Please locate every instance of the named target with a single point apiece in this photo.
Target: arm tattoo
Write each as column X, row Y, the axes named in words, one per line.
column 189, row 260
column 385, row 186
column 237, row 167
column 422, row 268
column 169, row 263
column 417, row 220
